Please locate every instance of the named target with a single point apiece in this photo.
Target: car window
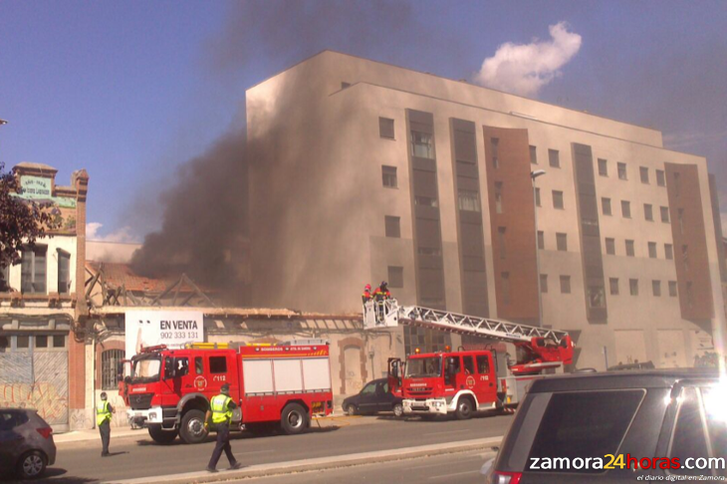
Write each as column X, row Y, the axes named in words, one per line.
column 483, row 364
column 469, row 365
column 690, row 436
column 585, row 424
column 385, row 387
column 716, row 412
column 369, row 389
column 10, row 420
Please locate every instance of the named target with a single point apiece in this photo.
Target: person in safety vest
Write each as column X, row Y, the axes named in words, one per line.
column 221, row 407
column 382, row 292
column 103, row 422
column 366, row 296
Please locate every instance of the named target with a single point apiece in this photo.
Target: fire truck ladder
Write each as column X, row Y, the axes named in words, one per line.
column 388, row 313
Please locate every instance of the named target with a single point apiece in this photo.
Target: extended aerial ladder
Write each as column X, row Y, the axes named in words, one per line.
column 541, row 348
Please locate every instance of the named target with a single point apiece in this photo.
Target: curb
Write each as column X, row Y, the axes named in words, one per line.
column 318, row 464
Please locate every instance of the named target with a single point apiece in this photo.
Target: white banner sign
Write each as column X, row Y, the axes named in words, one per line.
column 171, row 328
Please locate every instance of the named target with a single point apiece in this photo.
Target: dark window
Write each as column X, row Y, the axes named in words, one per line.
column 22, row 341
column 660, row 178
column 656, row 288
column 544, row 283
column 386, row 128
column 469, row 200
column 554, row 158
column 541, row 240
column 561, row 241
column 622, row 175
column 669, row 251
column 644, row 172
column 505, row 276
column 64, row 272
column 396, row 276
column 689, row 439
column 630, row 251
column 198, row 365
column 610, row 246
column 41, row 341
column 648, row 212
column 494, row 144
column 602, row 167
column 673, row 288
column 422, row 145
column 565, row 284
column 652, row 250
column 501, row 231
column 533, row 155
column 606, row 205
column 596, row 297
column 626, row 209
column 393, row 228
column 680, row 216
column 429, row 251
column 33, row 276
column 677, row 184
column 469, row 365
column 218, row 364
column 369, row 389
column 537, row 197
column 110, row 360
column 498, row 197
column 5, row 278
column 586, row 424
column 665, row 214
column 11, row 419
column 483, row 364
column 388, row 176
column 4, row 344
column 634, row 287
column 690, row 294
column 59, row 341
column 426, row 202
column 613, row 285
column 558, row 199
column 685, row 257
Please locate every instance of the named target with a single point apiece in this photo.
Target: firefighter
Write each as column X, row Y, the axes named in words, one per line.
column 221, row 407
column 382, row 292
column 103, row 422
column 366, row 296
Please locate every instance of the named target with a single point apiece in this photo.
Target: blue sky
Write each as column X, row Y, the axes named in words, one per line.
column 131, row 90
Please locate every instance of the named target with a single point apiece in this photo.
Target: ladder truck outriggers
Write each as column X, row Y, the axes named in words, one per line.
column 461, row 382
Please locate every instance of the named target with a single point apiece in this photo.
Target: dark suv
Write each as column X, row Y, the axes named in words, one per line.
column 26, row 443
column 609, row 427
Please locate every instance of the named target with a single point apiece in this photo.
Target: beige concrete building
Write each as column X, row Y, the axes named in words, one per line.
column 363, row 171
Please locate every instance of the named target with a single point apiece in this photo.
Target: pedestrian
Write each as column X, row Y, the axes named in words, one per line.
column 366, row 296
column 221, row 407
column 103, row 421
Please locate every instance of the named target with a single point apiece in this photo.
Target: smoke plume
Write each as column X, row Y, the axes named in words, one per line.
column 524, row 69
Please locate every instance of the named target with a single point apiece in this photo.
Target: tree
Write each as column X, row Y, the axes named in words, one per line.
column 22, row 221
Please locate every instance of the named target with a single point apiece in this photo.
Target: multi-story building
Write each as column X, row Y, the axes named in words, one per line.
column 362, row 171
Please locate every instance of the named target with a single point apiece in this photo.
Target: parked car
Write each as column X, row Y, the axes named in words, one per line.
column 665, row 414
column 374, row 397
column 26, row 443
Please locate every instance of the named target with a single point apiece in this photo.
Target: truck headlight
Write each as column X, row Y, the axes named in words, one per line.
column 153, row 416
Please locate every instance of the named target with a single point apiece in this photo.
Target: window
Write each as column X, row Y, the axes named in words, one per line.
column 388, row 176
column 610, row 246
column 498, row 197
column 554, row 158
column 669, row 251
column 680, row 217
column 606, row 206
column 558, row 199
column 685, row 257
column 602, row 167
column 626, row 209
column 677, row 184
column 10, row 419
column 64, row 272
column 660, row 178
column 386, row 128
column 199, row 365
column 505, row 276
column 469, row 200
column 689, row 439
column 369, row 389
column 33, row 270
column 494, row 144
column 585, row 424
column 110, row 360
column 393, row 228
column 429, row 251
column 565, row 284
column 644, row 172
column 561, row 241
column 656, row 288
column 22, row 341
column 541, row 240
column 648, row 212
column 5, row 278
column 4, row 344
column 426, row 202
column 622, row 175
column 483, row 364
column 41, row 341
column 396, row 276
column 537, row 197
column 544, row 283
column 634, row 287
column 501, row 231
column 533, row 155
column 422, row 145
column 613, row 285
column 652, row 250
column 218, row 364
column 690, row 295
column 469, row 365
column 664, row 214
column 59, row 341
column 630, row 252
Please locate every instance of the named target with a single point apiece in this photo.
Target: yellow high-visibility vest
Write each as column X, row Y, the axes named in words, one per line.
column 220, row 411
column 102, row 412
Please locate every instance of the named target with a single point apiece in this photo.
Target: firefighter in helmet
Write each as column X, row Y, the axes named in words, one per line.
column 366, row 296
column 382, row 292
column 221, row 407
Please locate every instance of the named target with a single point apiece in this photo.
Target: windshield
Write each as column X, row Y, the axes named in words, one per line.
column 424, row 367
column 146, row 369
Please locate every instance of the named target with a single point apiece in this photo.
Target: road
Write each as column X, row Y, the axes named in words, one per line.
column 136, row 457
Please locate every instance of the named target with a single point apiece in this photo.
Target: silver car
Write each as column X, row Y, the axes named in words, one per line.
column 26, row 443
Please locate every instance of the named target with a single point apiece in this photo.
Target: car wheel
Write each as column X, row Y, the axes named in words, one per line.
column 192, row 430
column 294, row 419
column 464, row 408
column 161, row 436
column 350, row 409
column 32, row 465
column 398, row 410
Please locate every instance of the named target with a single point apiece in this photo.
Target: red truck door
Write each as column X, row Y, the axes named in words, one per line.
column 486, row 380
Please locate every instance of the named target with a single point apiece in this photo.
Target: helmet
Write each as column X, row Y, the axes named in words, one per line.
column 384, row 283
column 368, row 286
column 225, row 388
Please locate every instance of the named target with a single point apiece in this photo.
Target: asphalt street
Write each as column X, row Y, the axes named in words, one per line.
column 139, row 456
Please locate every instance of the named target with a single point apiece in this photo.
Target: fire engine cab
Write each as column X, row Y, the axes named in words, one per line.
column 461, row 382
column 168, row 390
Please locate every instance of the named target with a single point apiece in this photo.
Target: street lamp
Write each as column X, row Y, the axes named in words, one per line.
column 533, row 176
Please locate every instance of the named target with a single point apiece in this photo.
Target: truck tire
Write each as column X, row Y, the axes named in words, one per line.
column 191, row 429
column 294, row 419
column 464, row 408
column 161, row 436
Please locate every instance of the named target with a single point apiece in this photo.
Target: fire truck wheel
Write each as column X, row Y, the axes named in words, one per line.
column 398, row 410
column 294, row 419
column 350, row 409
column 464, row 408
column 162, row 436
column 192, row 429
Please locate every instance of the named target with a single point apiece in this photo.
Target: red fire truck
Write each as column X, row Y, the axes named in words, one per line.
column 168, row 390
column 462, row 382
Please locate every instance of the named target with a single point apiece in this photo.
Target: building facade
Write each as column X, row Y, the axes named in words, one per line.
column 362, row 171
